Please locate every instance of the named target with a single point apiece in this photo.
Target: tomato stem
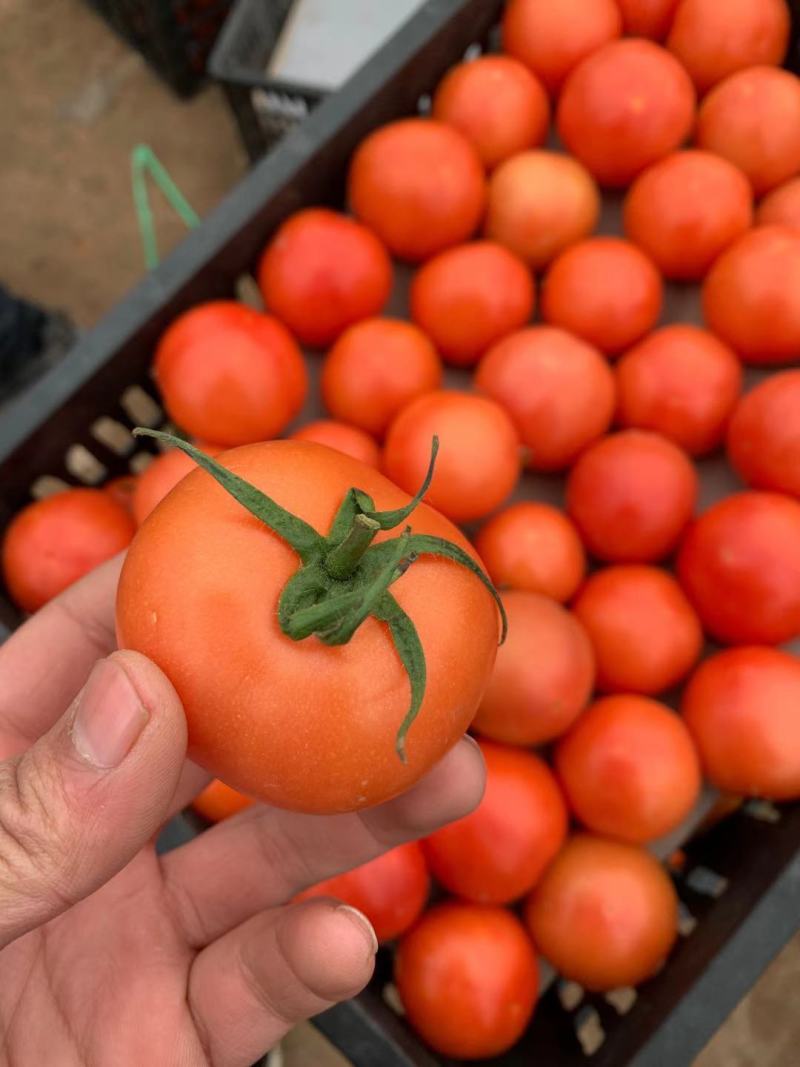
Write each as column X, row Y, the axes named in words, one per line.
column 345, row 557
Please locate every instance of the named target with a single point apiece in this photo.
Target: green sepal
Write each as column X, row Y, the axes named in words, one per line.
column 412, row 656
column 387, row 520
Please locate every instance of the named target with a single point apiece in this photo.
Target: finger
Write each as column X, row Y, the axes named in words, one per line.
column 281, row 967
column 277, row 853
column 78, row 805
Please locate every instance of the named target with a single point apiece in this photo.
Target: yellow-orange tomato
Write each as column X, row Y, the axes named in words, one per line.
column 159, row 477
column 348, row 439
column 781, row 206
column 218, row 801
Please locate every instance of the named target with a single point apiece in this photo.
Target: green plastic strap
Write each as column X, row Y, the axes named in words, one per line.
column 145, row 162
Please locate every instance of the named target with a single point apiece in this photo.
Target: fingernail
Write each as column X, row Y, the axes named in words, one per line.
column 109, row 717
column 359, row 919
column 472, row 741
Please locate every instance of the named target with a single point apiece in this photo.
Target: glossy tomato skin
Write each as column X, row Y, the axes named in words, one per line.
column 740, row 566
column 605, row 914
column 764, row 435
column 391, row 891
column 781, row 206
column 743, row 709
column 343, row 438
column 218, row 801
column 51, row 543
column 200, row 559
column 468, row 979
column 648, row 18
column 162, row 475
column 543, row 675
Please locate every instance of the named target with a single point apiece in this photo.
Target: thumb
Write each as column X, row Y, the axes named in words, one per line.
column 81, row 802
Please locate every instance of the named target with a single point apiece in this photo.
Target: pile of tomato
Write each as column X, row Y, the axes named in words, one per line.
column 610, row 599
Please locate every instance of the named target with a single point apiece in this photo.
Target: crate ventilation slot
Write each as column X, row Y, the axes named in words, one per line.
column 82, row 465
column 140, row 407
column 113, row 435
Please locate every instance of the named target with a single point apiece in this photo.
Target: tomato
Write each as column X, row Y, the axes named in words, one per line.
column 539, row 204
column 322, row 272
column 497, row 103
column 631, row 496
column 162, row 475
column 468, row 297
column 534, row 547
column 122, row 489
column 743, row 709
column 315, row 727
column 629, row 768
column 558, row 389
column 681, row 382
column 740, row 566
column 781, row 206
column 468, row 979
column 753, row 120
column 713, row 40
column 628, row 105
column 645, row 634
column 751, row 297
column 605, row 914
column 764, row 435
column 686, row 209
column 347, row 439
column 229, row 374
column 648, row 18
column 551, row 38
column 478, row 464
column 391, row 890
column 51, row 543
column 605, row 290
column 543, row 675
column 419, row 184
column 218, row 801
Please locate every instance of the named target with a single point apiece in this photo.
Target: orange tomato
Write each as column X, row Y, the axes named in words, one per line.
column 781, row 206
column 121, row 490
column 764, row 435
column 157, row 479
column 648, row 18
column 343, row 438
column 218, row 801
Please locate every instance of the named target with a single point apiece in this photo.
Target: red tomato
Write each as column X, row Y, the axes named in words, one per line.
column 764, row 435
column 743, row 709
column 713, row 40
column 343, row 438
column 751, row 297
column 543, row 675
column 558, row 390
column 53, row 542
column 606, row 291
column 230, row 374
column 629, row 768
column 218, row 801
column 468, row 979
column 496, row 103
column 534, row 547
column 420, row 185
column 470, row 296
column 121, row 490
column 391, row 891
column 539, row 204
column 551, row 38
column 478, row 463
column 162, row 475
column 322, row 272
column 740, row 566
column 681, row 382
column 631, row 496
column 626, row 106
column 605, row 914
column 645, row 634
column 753, row 120
column 648, row 18
column 781, row 206
column 686, row 209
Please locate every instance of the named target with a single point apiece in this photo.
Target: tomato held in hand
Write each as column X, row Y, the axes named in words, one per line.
column 648, row 18
column 343, row 438
column 218, row 801
column 781, row 206
column 764, row 435
column 162, row 475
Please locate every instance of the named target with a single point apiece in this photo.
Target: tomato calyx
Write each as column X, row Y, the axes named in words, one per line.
column 344, row 578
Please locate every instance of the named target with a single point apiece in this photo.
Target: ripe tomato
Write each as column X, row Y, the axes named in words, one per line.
column 468, row 297
column 539, row 204
column 543, row 675
column 558, row 389
column 218, row 801
column 743, row 709
column 52, row 543
column 605, row 914
column 534, row 547
column 496, row 103
column 648, row 18
column 162, row 475
column 682, row 382
column 201, row 559
column 753, row 120
column 551, row 38
column 605, row 290
column 391, row 890
column 740, row 566
column 713, row 40
column 751, row 297
column 419, row 184
column 121, row 490
column 631, row 496
column 781, row 206
column 626, row 106
column 478, row 463
column 322, row 272
column 629, row 768
column 338, row 435
column 686, row 209
column 230, row 374
column 645, row 634
column 764, row 435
